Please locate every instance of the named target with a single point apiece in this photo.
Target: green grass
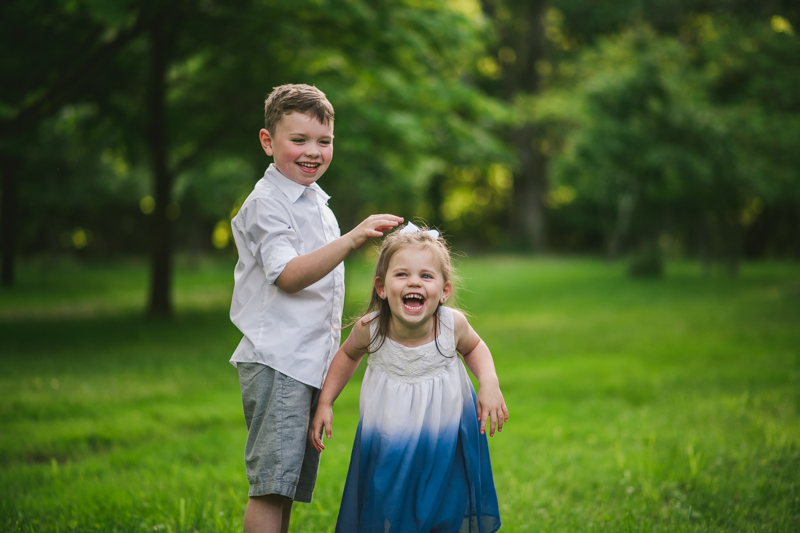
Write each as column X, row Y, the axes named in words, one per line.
column 657, row 405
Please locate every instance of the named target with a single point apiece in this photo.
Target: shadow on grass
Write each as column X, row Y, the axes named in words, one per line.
column 76, row 387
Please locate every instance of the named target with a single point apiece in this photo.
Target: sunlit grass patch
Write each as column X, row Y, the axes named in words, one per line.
column 657, row 405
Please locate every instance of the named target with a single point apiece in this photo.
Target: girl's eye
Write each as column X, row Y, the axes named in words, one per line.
column 326, row 143
column 427, row 276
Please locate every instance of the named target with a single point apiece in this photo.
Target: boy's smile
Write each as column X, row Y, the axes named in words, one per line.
column 302, row 147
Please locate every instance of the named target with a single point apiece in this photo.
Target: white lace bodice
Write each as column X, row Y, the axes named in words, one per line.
column 419, row 363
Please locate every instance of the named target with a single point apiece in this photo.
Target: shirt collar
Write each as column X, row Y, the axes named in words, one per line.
column 292, row 189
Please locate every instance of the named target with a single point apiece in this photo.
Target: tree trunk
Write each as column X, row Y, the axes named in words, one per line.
column 160, row 302
column 524, row 33
column 797, row 233
column 626, row 202
column 9, row 167
column 530, row 188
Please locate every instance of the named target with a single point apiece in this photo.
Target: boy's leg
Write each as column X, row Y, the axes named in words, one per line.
column 281, row 464
column 267, row 514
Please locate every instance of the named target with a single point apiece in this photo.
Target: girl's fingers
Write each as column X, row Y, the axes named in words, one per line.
column 315, row 435
column 502, row 417
column 495, row 416
column 318, row 439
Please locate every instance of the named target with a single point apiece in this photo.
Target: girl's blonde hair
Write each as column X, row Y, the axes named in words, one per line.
column 390, row 246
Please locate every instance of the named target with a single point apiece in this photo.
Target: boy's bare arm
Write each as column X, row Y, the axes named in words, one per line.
column 308, row 269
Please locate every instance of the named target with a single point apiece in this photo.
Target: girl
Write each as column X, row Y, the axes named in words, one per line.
column 420, row 460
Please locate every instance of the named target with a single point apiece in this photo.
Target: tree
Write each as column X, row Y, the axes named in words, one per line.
column 183, row 95
column 669, row 136
column 61, row 52
column 521, row 52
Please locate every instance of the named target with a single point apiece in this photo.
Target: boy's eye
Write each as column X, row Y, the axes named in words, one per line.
column 325, row 142
column 298, row 140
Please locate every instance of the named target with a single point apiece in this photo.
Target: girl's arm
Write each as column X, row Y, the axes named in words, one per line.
column 478, row 358
column 343, row 366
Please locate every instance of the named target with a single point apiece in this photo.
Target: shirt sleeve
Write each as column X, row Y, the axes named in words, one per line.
column 269, row 235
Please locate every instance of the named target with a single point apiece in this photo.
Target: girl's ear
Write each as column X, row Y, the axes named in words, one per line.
column 448, row 288
column 379, row 288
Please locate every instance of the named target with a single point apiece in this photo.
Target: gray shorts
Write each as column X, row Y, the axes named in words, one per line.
column 278, row 412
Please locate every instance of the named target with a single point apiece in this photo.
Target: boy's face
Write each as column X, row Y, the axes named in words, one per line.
column 302, row 147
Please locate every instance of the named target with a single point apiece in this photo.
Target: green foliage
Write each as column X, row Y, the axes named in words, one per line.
column 636, row 405
column 661, row 121
column 679, row 135
column 396, row 73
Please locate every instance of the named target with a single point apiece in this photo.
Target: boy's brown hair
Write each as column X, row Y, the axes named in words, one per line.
column 298, row 98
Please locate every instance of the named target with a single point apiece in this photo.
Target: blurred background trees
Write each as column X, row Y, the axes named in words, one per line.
column 681, row 140
column 129, row 127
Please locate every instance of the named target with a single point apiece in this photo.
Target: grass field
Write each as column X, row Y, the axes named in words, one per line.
column 658, row 405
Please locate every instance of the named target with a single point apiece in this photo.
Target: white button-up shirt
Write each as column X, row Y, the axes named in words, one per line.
column 296, row 334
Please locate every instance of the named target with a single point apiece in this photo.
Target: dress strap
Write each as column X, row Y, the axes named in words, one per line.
column 373, row 328
column 447, row 331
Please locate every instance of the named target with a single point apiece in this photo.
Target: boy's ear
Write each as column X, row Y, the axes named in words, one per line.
column 266, row 141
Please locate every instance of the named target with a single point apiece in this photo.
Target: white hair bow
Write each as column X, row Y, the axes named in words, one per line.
column 413, row 228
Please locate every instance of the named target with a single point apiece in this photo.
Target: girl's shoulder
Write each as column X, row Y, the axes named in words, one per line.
column 460, row 324
column 367, row 328
column 362, row 329
column 458, row 316
column 367, row 320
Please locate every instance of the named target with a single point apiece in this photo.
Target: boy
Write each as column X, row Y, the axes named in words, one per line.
column 287, row 301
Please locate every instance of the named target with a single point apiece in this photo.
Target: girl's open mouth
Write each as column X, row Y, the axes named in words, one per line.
column 413, row 302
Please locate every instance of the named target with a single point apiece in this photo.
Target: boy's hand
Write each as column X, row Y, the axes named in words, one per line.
column 323, row 419
column 373, row 226
column 491, row 407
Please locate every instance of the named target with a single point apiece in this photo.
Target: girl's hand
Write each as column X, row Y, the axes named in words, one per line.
column 373, row 226
column 323, row 419
column 492, row 408
column 342, row 368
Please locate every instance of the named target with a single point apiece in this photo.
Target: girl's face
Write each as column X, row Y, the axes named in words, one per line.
column 414, row 285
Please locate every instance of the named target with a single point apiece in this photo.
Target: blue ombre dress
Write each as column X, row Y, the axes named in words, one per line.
column 419, row 463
